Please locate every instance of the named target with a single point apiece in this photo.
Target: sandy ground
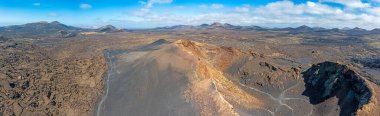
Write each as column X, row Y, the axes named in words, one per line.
column 148, row 84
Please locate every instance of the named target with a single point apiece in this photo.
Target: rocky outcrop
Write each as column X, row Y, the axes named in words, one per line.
column 210, row 89
column 328, row 79
column 234, row 76
column 64, row 34
column 32, row 82
column 371, row 62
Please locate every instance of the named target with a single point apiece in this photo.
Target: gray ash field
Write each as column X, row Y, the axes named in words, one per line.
column 212, row 69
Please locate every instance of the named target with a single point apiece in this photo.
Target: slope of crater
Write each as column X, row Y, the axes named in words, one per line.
column 355, row 94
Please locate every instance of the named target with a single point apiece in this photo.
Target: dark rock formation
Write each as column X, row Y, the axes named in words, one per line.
column 328, row 79
column 64, row 34
column 33, row 82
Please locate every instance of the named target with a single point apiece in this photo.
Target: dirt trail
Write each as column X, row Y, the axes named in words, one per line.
column 111, row 67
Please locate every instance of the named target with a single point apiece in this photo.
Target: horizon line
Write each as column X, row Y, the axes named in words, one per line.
column 143, row 28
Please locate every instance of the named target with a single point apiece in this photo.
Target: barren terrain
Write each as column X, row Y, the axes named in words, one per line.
column 213, row 70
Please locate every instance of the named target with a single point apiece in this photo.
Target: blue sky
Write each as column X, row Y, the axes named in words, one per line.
column 155, row 13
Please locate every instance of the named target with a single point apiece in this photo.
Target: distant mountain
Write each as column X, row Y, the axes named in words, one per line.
column 55, row 25
column 282, row 29
column 335, row 30
column 301, row 29
column 375, row 31
column 220, row 25
column 56, row 29
column 215, row 25
column 176, row 27
column 248, row 28
column 346, row 28
column 204, row 25
column 319, row 28
column 357, row 31
column 304, row 28
column 109, row 29
column 39, row 29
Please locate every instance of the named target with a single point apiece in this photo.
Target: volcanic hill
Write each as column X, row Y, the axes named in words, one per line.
column 190, row 78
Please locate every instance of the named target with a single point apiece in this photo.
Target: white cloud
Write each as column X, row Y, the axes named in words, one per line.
column 141, row 12
column 202, row 6
column 213, row 6
column 374, row 11
column 289, row 8
column 275, row 14
column 37, row 4
column 85, row 6
column 245, row 8
column 217, row 6
column 150, row 3
column 350, row 3
column 317, row 8
column 279, row 8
